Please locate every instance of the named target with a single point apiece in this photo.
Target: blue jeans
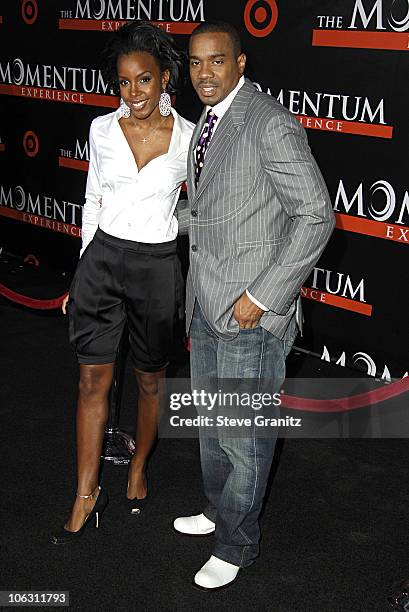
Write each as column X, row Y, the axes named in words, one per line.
column 235, row 468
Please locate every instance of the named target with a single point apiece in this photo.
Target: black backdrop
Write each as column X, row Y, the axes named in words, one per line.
column 340, row 66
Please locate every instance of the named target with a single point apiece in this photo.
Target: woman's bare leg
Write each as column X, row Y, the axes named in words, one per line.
column 92, row 414
column 146, row 430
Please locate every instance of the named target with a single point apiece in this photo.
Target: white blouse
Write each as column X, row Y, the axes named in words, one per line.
column 127, row 203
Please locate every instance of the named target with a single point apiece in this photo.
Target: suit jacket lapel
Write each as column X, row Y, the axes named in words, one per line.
column 191, row 189
column 219, row 145
column 224, row 136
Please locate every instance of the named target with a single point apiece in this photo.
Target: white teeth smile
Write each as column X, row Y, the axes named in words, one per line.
column 138, row 105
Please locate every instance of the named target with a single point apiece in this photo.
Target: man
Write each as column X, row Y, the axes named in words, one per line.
column 258, row 218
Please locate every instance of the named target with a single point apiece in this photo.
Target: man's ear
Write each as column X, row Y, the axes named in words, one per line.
column 241, row 62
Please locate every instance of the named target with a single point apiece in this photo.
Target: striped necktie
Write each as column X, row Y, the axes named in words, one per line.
column 203, row 143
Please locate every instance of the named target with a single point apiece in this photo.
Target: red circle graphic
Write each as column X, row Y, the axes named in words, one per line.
column 260, row 14
column 29, row 11
column 253, row 19
column 31, row 144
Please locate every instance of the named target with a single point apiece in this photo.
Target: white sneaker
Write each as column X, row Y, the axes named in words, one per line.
column 197, row 525
column 216, row 574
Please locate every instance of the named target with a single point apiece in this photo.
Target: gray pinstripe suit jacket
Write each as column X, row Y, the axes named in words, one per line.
column 263, row 214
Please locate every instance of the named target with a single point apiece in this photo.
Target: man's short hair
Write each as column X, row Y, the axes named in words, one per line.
column 221, row 26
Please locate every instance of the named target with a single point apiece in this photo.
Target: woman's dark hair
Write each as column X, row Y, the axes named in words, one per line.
column 142, row 36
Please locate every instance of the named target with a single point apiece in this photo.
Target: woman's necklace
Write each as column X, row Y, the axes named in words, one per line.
column 149, row 135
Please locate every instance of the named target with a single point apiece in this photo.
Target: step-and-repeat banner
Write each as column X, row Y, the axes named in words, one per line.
column 341, row 68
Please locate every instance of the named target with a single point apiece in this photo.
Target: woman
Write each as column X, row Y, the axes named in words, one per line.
column 128, row 270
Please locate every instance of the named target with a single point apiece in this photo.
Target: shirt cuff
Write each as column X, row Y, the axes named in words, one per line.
column 256, row 302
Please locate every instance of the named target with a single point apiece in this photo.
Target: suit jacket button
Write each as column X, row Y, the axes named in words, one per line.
column 193, row 213
column 194, row 247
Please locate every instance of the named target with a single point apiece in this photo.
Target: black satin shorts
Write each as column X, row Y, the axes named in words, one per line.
column 121, row 281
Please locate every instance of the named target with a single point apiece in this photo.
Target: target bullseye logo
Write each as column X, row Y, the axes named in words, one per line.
column 31, row 144
column 29, row 11
column 260, row 17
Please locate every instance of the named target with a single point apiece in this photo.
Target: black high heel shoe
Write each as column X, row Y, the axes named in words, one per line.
column 63, row 536
column 136, row 504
